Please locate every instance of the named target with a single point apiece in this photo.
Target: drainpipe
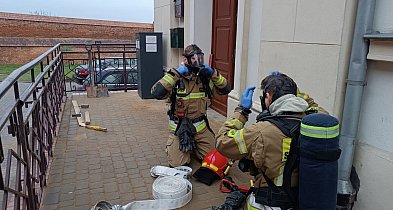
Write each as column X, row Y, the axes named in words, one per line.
column 353, row 95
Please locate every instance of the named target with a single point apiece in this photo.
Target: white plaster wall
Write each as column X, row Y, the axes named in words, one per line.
column 375, row 168
column 374, row 149
column 376, row 120
column 203, row 25
column 310, row 40
column 164, row 20
column 313, row 67
column 198, row 24
column 383, row 16
column 254, row 50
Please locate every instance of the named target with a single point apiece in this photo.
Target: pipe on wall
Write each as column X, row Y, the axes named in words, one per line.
column 354, row 91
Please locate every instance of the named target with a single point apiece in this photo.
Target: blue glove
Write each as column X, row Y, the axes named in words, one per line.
column 274, row 73
column 183, row 70
column 208, row 69
column 247, row 97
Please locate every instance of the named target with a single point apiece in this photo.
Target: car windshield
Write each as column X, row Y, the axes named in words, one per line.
column 116, row 62
column 114, row 76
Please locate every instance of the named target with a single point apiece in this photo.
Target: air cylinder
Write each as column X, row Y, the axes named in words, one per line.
column 318, row 166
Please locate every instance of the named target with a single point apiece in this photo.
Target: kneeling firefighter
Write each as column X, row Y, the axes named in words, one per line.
column 269, row 149
column 189, row 89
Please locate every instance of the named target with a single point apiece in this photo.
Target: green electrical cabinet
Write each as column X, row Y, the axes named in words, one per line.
column 177, row 37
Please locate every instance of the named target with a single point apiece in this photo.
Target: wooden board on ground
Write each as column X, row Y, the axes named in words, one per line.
column 87, row 118
column 78, row 111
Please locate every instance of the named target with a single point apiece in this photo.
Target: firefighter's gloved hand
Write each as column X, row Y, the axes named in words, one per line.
column 186, row 134
column 182, row 70
column 234, row 200
column 247, row 97
column 208, row 69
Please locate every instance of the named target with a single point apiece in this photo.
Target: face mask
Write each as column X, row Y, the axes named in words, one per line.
column 195, row 66
column 199, row 60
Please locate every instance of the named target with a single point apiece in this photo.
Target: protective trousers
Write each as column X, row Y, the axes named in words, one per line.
column 204, row 140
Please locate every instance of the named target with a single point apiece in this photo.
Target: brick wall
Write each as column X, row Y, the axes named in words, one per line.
column 20, row 55
column 36, row 34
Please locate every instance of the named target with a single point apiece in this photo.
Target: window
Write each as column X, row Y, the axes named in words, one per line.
column 112, row 79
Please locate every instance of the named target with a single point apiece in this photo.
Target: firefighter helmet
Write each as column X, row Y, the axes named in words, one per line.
column 213, row 167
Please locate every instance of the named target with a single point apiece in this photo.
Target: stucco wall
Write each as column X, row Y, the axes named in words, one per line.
column 311, row 41
column 383, row 16
column 374, row 150
column 203, row 26
column 164, row 20
column 374, row 167
column 308, row 40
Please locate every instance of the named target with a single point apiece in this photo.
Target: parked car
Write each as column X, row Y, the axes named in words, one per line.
column 81, row 72
column 113, row 63
column 113, row 78
column 116, row 62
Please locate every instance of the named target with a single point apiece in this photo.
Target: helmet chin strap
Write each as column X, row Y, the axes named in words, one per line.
column 262, row 98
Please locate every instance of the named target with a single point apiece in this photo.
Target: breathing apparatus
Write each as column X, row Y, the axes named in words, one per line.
column 193, row 51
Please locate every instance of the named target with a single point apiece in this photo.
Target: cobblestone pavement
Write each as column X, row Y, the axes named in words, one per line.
column 90, row 166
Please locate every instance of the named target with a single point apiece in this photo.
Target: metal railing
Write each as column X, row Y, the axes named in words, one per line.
column 30, row 112
column 114, row 65
column 32, row 116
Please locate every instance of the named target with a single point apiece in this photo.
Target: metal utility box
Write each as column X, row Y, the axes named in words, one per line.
column 179, row 8
column 149, row 61
column 177, row 37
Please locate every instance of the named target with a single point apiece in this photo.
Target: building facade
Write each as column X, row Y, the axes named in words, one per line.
column 311, row 41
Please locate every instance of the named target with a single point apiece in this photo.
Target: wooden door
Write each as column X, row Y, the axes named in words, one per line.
column 223, row 46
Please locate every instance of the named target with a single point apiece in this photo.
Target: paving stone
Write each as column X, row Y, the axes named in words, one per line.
column 66, row 207
column 81, row 191
column 82, row 207
column 115, row 166
column 67, row 203
column 110, row 187
column 53, row 189
column 51, row 198
column 82, row 176
column 66, row 197
column 96, row 197
column 50, row 207
column 142, row 196
column 112, row 195
column 82, row 200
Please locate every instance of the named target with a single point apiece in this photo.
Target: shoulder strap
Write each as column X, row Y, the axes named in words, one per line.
column 205, row 82
column 171, row 112
column 290, row 126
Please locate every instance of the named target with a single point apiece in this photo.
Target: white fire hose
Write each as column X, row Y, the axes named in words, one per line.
column 171, row 190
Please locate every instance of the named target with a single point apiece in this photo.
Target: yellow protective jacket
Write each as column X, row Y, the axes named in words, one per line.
column 262, row 142
column 192, row 101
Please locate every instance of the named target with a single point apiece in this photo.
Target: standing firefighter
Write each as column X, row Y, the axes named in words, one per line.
column 189, row 88
column 264, row 147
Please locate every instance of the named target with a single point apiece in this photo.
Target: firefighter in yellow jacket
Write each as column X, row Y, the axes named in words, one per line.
column 189, row 89
column 263, row 147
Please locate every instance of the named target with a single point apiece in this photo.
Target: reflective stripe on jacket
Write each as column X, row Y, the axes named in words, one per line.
column 192, row 101
column 261, row 142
